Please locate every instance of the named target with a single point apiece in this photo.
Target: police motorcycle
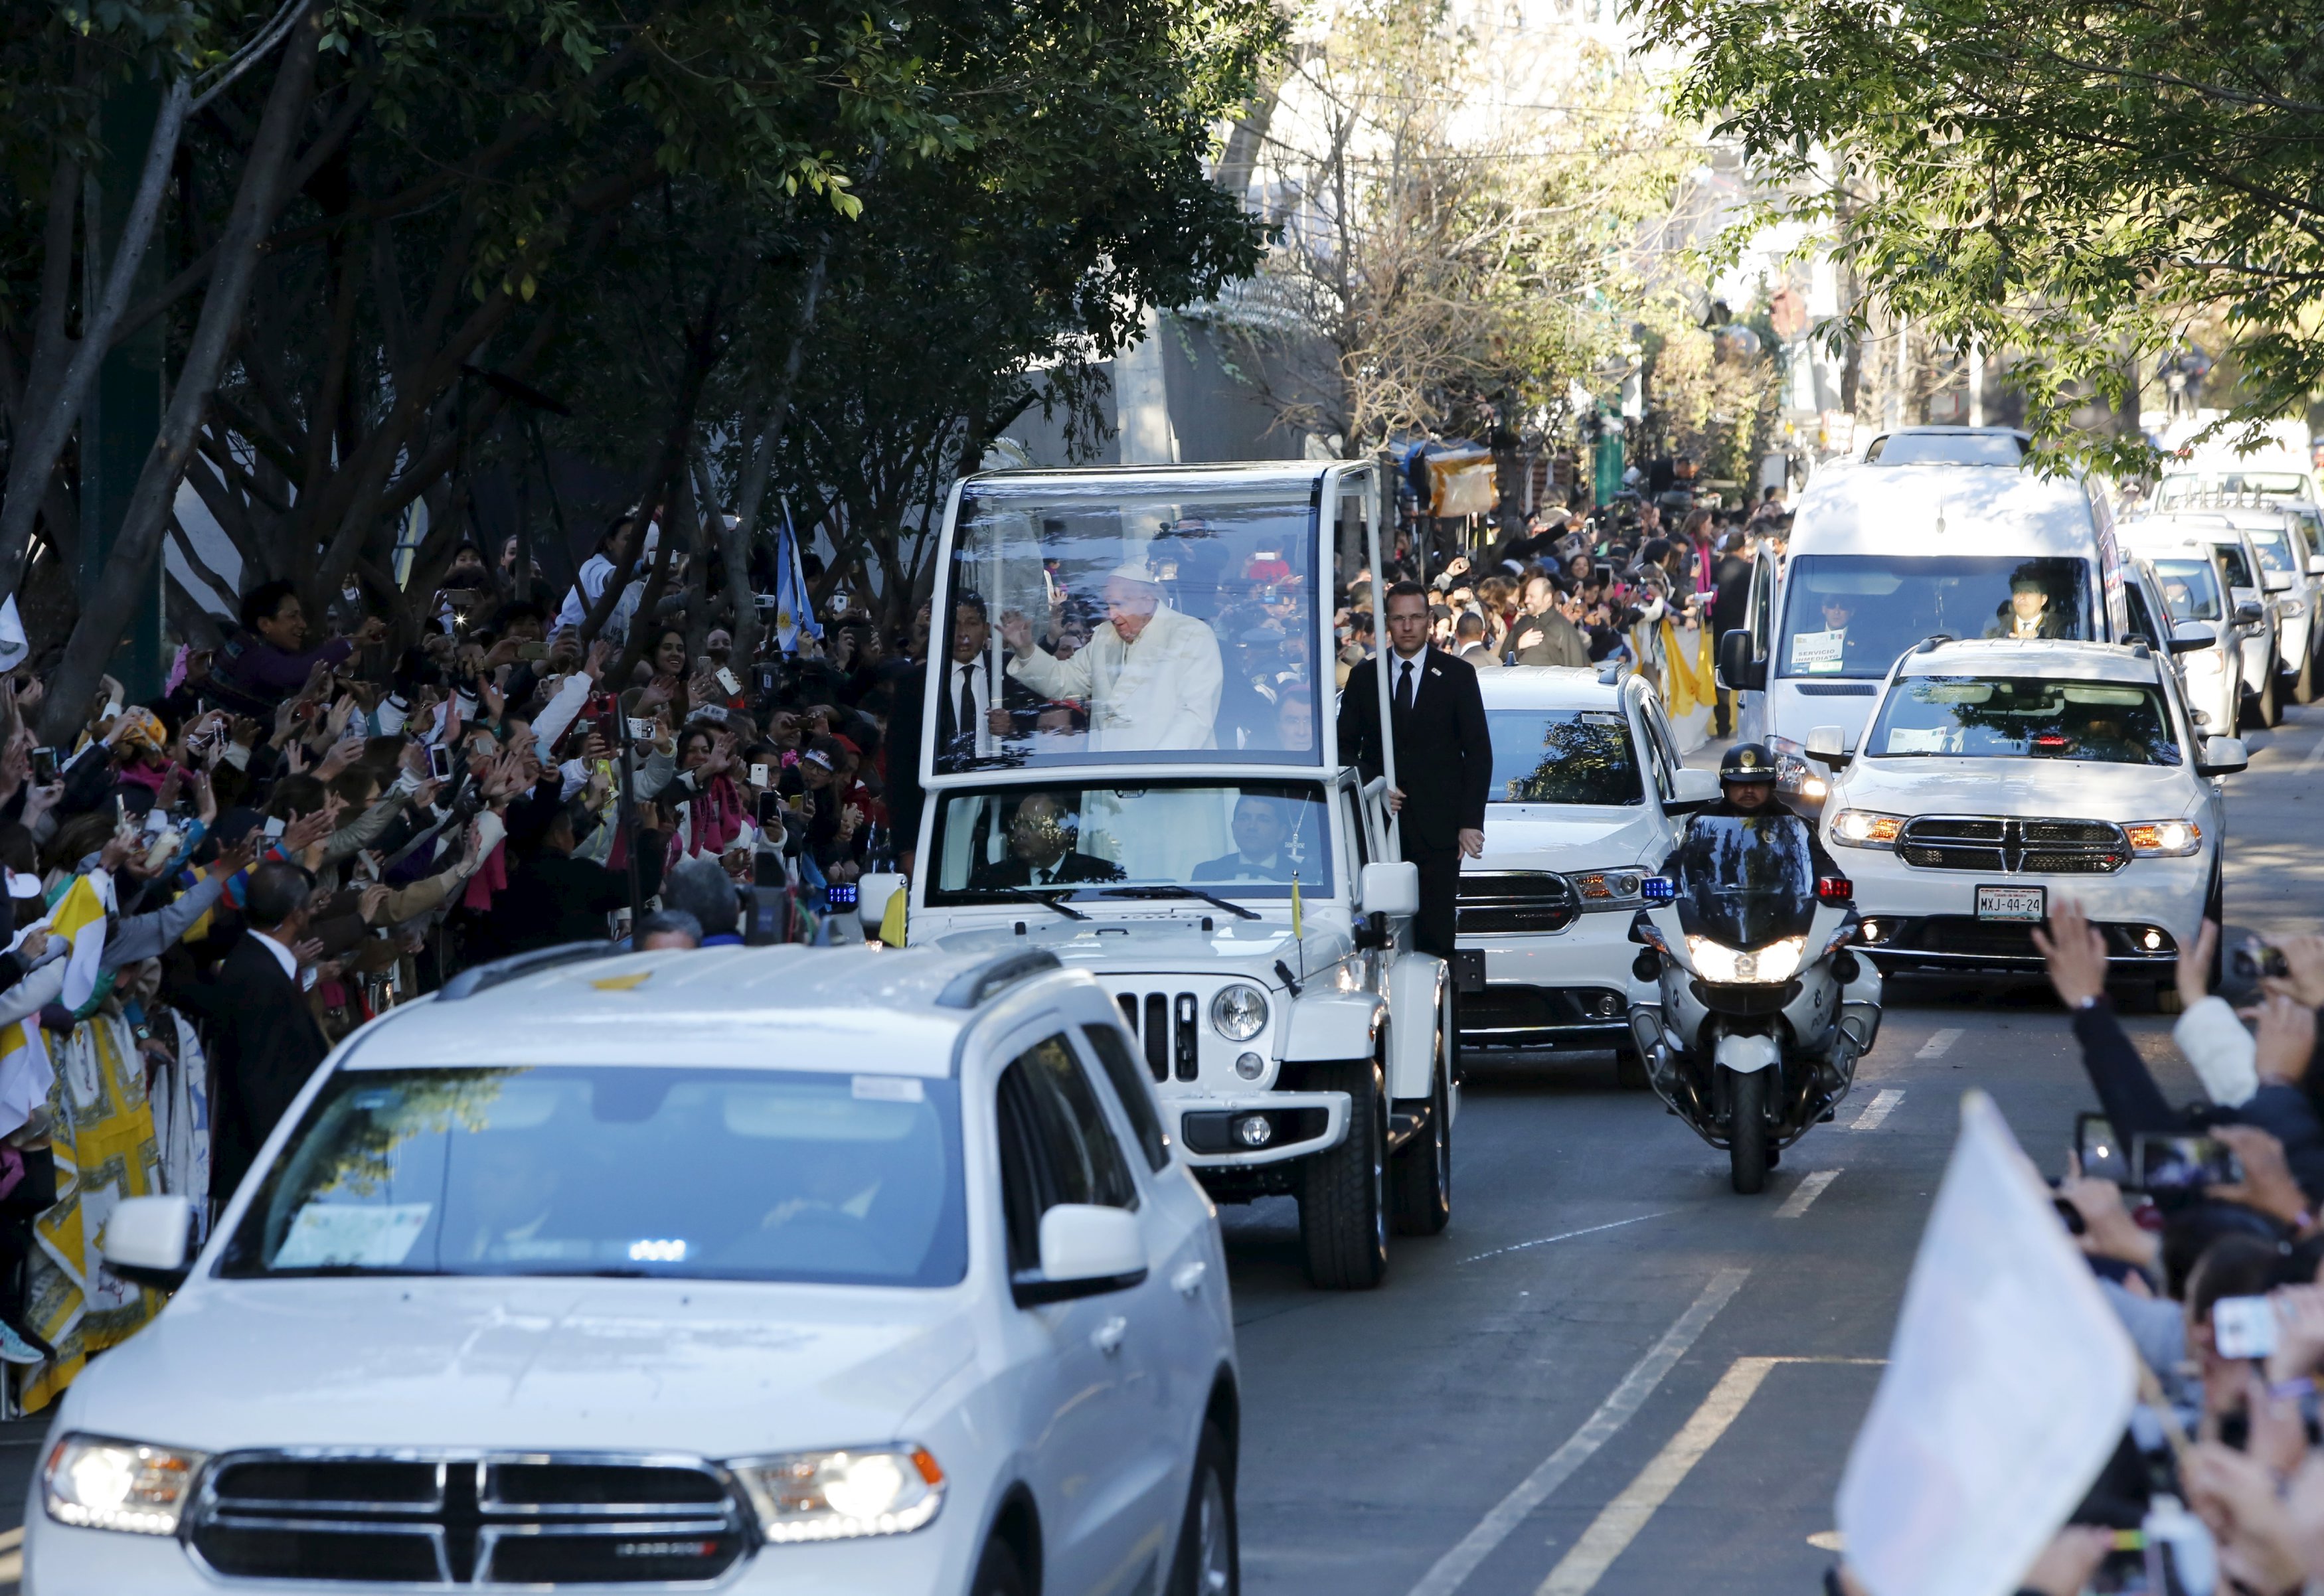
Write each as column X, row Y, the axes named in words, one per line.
column 1749, row 1006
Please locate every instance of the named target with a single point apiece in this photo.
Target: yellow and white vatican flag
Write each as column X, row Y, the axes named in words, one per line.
column 26, row 1073
column 77, row 920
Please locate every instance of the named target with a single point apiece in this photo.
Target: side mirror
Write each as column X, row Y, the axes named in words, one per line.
column 2316, row 564
column 1691, row 789
column 2277, row 581
column 150, row 1242
column 2219, row 756
column 2192, row 637
column 1085, row 1250
column 1827, row 745
column 1740, row 670
column 2250, row 613
column 871, row 895
column 1390, row 889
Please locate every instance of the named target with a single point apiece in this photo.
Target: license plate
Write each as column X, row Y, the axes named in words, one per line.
column 2012, row 903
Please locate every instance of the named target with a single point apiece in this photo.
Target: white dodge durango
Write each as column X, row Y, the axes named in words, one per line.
column 1996, row 777
column 776, row 1269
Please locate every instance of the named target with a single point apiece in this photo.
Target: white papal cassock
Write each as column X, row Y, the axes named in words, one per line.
column 1161, row 691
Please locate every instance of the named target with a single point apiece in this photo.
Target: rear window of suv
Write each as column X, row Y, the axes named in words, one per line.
column 2025, row 718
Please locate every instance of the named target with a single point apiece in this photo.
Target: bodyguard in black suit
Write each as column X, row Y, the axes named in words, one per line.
column 1444, row 756
column 1041, row 850
column 265, row 1040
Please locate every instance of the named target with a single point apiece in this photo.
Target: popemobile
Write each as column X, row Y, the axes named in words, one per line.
column 1130, row 762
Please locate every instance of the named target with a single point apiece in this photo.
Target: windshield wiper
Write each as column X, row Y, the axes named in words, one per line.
column 1021, row 895
column 1166, row 891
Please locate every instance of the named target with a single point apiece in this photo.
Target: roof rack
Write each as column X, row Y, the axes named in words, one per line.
column 467, row 983
column 972, row 987
column 1931, row 643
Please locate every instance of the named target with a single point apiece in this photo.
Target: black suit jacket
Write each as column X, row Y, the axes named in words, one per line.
column 1443, row 749
column 1075, row 867
column 263, row 1045
column 906, row 798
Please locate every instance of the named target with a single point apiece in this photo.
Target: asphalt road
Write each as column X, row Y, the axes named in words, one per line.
column 1611, row 1374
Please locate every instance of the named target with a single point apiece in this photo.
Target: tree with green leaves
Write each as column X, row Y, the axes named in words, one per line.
column 2077, row 184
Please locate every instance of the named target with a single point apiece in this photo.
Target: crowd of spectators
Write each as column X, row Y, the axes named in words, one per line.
column 2201, row 1223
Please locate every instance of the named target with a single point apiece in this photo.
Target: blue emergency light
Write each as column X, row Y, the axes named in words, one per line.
column 1657, row 889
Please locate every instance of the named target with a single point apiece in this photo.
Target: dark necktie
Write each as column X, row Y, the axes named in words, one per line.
column 966, row 723
column 1404, row 689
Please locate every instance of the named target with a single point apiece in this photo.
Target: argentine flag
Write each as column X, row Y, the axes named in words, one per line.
column 794, row 607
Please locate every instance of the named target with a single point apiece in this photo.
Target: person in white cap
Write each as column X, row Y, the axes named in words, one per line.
column 1151, row 674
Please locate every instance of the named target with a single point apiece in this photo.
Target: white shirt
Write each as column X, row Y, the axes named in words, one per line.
column 282, row 956
column 979, row 693
column 1161, row 691
column 595, row 572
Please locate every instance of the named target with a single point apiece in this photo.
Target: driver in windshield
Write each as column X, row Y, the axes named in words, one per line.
column 1261, row 827
column 1041, row 851
column 2103, row 736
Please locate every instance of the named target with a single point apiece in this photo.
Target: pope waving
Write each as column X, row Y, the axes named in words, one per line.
column 1151, row 673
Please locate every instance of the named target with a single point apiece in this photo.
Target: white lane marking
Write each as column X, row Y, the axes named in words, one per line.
column 1457, row 1565
column 1938, row 1046
column 1810, row 1188
column 2315, row 756
column 1568, row 1236
column 1610, row 1533
column 1882, row 1104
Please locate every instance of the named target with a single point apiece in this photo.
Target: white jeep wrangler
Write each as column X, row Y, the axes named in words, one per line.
column 1128, row 763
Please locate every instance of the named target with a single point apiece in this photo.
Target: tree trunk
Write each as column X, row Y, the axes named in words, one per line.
column 53, row 400
column 106, row 615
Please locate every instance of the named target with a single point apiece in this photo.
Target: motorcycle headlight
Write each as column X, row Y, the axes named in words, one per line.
column 2164, row 839
column 1722, row 965
column 1606, row 888
column 1239, row 1012
column 839, row 1496
column 1862, row 828
column 91, row 1482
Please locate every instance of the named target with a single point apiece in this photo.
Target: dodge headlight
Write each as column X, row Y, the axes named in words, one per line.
column 94, row 1483
column 1239, row 1012
column 838, row 1496
column 1722, row 965
column 1606, row 888
column 2164, row 839
column 1861, row 828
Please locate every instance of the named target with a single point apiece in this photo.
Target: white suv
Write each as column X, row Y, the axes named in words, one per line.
column 1588, row 797
column 770, row 1270
column 1993, row 774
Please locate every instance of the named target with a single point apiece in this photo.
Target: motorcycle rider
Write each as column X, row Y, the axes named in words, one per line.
column 1747, row 791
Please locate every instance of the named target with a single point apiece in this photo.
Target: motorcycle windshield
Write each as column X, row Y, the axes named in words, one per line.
column 1743, row 881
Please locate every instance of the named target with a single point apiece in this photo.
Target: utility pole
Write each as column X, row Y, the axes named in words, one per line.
column 1975, row 380
column 122, row 417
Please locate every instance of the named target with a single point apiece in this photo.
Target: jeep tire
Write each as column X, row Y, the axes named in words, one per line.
column 1344, row 1190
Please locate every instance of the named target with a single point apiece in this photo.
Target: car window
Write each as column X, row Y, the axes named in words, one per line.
column 1134, row 1087
column 1055, row 1146
column 2190, row 589
column 2040, row 717
column 664, row 1171
column 2142, row 619
column 2275, row 549
column 2238, row 568
column 1564, row 756
column 1662, row 749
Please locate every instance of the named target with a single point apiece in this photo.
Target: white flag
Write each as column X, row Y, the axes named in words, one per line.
column 2007, row 1388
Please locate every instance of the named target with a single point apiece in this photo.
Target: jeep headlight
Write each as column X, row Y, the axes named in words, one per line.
column 1722, row 965
column 91, row 1482
column 1239, row 1012
column 1862, row 828
column 2164, row 839
column 838, row 1496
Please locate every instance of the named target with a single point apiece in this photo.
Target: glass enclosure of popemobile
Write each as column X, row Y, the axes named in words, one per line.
column 1132, row 681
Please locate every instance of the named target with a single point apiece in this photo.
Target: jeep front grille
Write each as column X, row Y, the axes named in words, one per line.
column 533, row 1519
column 1998, row 846
column 1164, row 1026
column 1503, row 901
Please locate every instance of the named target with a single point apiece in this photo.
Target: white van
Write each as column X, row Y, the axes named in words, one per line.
column 1902, row 548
